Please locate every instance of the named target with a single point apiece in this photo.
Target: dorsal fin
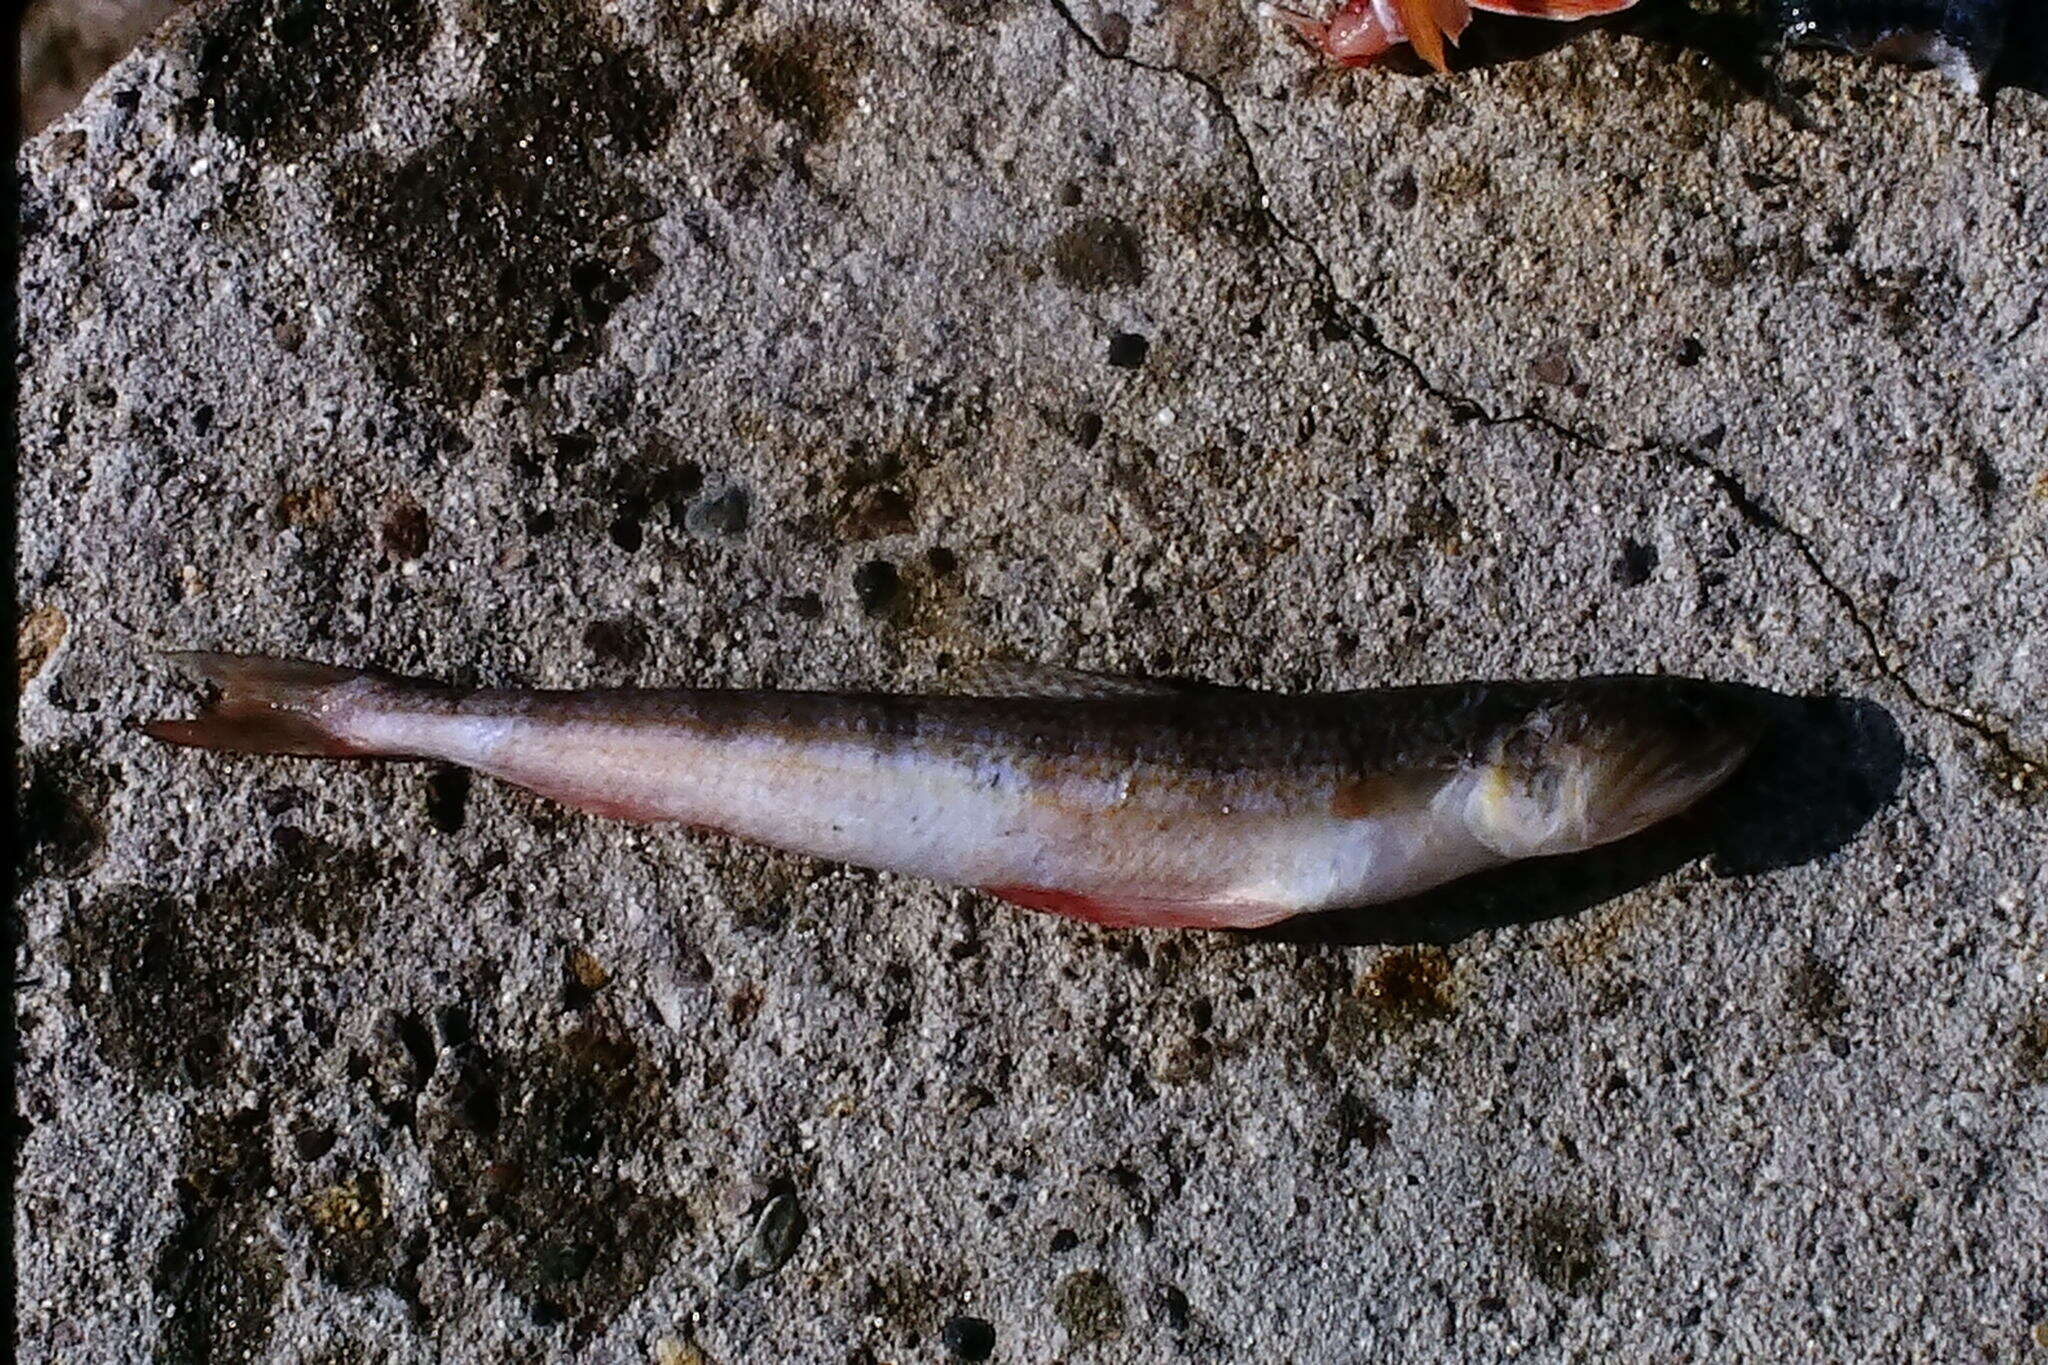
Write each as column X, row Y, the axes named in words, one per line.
column 1003, row 677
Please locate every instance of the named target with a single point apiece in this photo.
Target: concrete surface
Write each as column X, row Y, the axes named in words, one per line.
column 828, row 345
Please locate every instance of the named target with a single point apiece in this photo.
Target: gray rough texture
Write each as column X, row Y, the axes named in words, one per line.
column 565, row 345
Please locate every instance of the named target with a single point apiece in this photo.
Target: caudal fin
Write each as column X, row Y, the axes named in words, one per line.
column 266, row 706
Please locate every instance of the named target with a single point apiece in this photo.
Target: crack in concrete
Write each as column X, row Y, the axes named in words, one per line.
column 2028, row 772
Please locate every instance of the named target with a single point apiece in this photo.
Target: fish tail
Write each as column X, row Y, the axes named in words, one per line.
column 268, row 706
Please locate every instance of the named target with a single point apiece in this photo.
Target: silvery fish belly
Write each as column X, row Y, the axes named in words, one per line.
column 1962, row 37
column 1117, row 800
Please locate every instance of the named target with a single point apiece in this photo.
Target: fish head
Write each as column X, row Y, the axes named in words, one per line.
column 1605, row 759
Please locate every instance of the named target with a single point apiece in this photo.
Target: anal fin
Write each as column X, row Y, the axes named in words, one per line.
column 1139, row 912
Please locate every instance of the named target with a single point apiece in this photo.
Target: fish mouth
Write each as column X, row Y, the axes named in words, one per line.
column 1659, row 758
column 1647, row 784
column 1611, row 760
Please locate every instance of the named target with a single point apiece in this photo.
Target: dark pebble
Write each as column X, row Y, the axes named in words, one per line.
column 1637, row 562
column 1065, row 1240
column 1127, row 350
column 942, row 560
column 1553, row 367
column 724, row 515
column 627, row 535
column 313, row 1141
column 405, row 530
column 805, row 606
column 969, row 1338
column 777, row 1230
column 876, row 584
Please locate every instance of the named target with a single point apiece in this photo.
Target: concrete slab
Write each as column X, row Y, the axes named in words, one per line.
column 821, row 346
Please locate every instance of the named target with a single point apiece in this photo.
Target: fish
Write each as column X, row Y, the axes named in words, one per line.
column 1962, row 38
column 1364, row 31
column 1123, row 801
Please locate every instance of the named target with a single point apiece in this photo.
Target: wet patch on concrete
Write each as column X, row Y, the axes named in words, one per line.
column 1561, row 1244
column 60, row 821
column 219, row 1276
column 1214, row 38
column 2030, row 1050
column 288, row 75
column 163, row 978
column 1099, row 253
column 532, row 241
column 1813, row 992
column 806, row 75
column 1409, row 986
column 355, row 1242
column 1090, row 1306
column 528, row 1151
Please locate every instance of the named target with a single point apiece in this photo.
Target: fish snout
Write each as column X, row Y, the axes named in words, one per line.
column 1596, row 775
column 1632, row 788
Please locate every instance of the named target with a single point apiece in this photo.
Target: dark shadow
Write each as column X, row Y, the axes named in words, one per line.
column 1739, row 46
column 2023, row 61
column 2018, row 62
column 1735, row 44
column 1824, row 767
